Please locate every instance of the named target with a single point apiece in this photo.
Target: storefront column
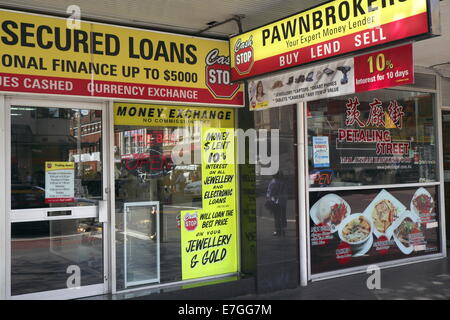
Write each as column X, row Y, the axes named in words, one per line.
column 303, row 205
column 3, row 210
column 112, row 199
column 441, row 164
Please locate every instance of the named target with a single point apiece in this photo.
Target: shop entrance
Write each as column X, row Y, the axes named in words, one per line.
column 57, row 192
column 277, row 225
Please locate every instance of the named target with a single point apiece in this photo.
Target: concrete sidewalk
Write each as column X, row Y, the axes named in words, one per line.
column 421, row 281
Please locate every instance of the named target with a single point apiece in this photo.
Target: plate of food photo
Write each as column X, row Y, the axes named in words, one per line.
column 383, row 211
column 422, row 203
column 330, row 210
column 403, row 229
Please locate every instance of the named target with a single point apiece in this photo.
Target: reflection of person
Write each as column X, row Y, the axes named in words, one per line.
column 260, row 95
column 277, row 200
column 167, row 194
column 180, row 182
column 153, row 223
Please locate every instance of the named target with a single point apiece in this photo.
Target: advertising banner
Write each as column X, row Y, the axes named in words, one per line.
column 383, row 69
column 377, row 70
column 209, row 236
column 42, row 54
column 331, row 29
column 318, row 82
column 59, row 182
column 354, row 228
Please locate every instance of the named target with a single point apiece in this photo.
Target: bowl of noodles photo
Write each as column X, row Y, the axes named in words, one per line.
column 356, row 229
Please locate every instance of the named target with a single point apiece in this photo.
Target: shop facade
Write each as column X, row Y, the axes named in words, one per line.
column 370, row 173
column 117, row 144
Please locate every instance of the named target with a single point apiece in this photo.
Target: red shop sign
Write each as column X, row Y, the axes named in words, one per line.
column 384, row 69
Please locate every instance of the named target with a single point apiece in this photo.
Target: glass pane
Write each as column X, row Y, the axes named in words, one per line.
column 277, row 209
column 373, row 138
column 145, row 172
column 40, row 135
column 141, row 243
column 51, row 255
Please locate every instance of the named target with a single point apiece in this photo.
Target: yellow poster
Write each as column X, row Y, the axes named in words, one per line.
column 171, row 116
column 209, row 236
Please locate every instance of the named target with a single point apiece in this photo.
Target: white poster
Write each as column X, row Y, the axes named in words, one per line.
column 328, row 80
column 321, row 152
column 59, row 182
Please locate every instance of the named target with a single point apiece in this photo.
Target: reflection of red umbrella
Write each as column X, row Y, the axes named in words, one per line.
column 153, row 162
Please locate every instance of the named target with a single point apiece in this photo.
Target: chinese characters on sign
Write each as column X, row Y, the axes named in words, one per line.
column 382, row 138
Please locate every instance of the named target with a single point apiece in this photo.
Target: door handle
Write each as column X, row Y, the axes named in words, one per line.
column 102, row 211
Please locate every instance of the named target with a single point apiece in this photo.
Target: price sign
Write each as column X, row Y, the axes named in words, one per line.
column 384, row 69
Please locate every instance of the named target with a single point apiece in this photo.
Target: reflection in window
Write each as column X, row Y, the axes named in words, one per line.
column 382, row 137
column 144, row 171
column 41, row 134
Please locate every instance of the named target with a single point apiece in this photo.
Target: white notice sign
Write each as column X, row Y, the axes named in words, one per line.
column 59, row 182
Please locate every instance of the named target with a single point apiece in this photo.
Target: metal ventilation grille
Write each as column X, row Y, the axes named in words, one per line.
column 424, row 81
column 445, row 92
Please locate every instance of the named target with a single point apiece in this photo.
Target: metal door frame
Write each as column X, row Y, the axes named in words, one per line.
column 305, row 257
column 5, row 177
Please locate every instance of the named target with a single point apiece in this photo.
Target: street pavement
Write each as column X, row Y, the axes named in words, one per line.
column 420, row 281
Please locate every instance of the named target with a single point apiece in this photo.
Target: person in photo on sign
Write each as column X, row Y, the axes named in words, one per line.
column 260, row 95
column 276, row 201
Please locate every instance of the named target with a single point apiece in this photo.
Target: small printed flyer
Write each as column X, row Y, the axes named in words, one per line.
column 321, row 152
column 59, row 182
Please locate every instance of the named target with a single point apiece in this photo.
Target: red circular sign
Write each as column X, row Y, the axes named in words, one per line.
column 190, row 221
column 382, row 245
column 343, row 253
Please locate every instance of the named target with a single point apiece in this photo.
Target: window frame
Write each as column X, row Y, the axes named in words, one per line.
column 437, row 107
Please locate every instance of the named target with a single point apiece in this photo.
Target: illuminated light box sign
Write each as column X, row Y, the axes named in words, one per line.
column 329, row 30
column 376, row 70
column 41, row 54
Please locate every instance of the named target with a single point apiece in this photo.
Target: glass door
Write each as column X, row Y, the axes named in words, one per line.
column 57, row 191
